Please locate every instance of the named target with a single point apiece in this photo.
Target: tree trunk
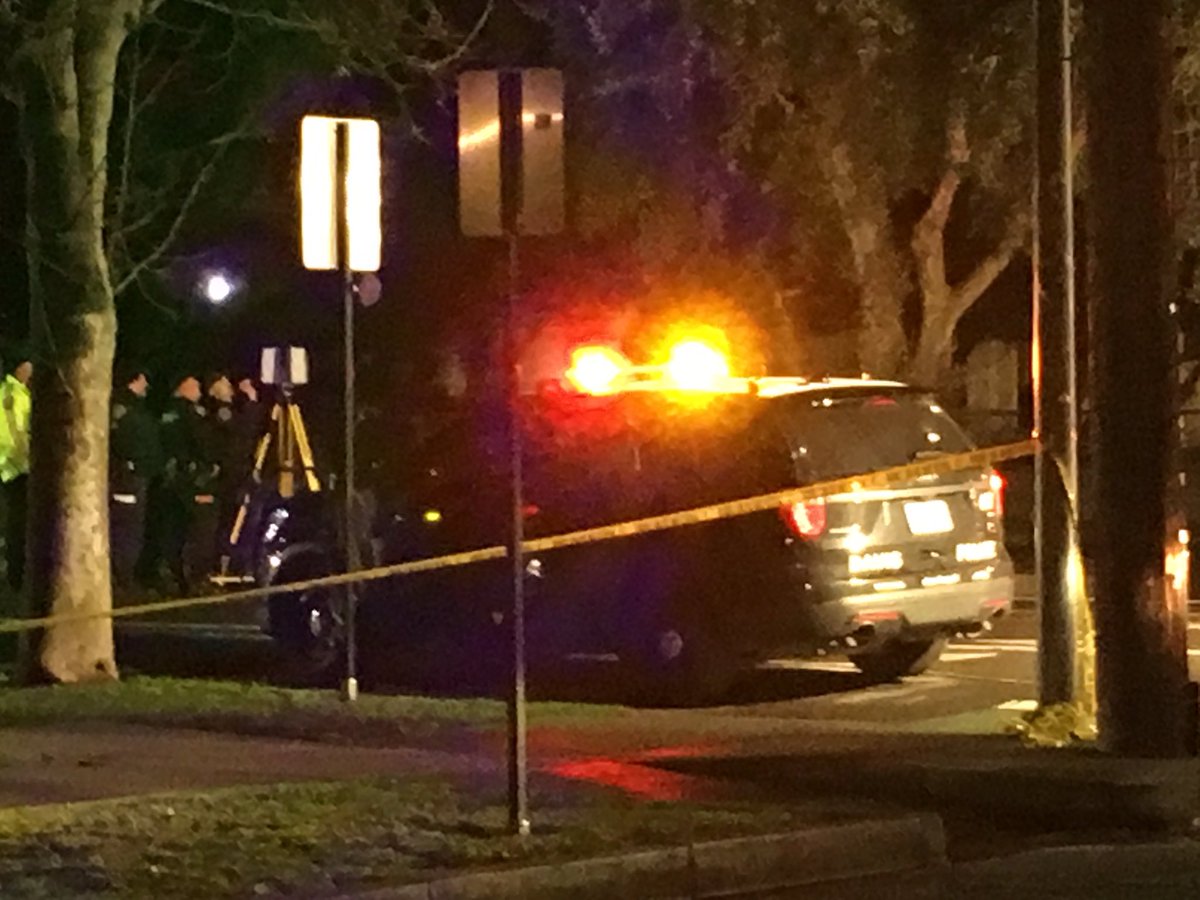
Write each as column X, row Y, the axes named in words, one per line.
column 786, row 355
column 1145, row 708
column 65, row 84
column 934, row 355
column 867, row 223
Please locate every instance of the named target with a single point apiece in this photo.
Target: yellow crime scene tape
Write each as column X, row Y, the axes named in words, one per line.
column 867, row 481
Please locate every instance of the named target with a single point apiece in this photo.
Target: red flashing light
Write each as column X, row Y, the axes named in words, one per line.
column 805, row 520
column 596, row 369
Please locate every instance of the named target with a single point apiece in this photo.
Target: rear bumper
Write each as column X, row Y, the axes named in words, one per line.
column 914, row 609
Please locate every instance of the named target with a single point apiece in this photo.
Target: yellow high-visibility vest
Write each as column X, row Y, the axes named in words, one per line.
column 16, row 404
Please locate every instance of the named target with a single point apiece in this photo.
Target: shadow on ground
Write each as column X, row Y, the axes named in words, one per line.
column 581, row 681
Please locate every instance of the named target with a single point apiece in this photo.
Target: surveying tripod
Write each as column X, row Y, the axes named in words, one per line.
column 293, row 455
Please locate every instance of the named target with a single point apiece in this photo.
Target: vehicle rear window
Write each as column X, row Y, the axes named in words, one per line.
column 833, row 436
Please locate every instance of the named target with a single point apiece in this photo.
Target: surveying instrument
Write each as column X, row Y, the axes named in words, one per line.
column 285, row 442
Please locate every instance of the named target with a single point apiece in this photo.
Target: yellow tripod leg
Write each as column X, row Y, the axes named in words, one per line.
column 260, row 458
column 287, row 477
column 306, row 454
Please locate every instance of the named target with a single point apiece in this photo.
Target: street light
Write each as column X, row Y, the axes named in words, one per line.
column 217, row 288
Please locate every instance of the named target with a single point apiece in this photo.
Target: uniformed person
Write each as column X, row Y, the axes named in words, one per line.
column 186, row 502
column 223, row 424
column 135, row 460
column 15, row 409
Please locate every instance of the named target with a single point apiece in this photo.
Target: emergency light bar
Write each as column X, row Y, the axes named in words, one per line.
column 693, row 365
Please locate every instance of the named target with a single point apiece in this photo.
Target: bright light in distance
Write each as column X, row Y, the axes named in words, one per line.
column 217, row 288
column 695, row 365
column 596, row 369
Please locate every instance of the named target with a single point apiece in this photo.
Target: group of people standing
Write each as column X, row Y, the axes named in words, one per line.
column 177, row 476
column 177, row 473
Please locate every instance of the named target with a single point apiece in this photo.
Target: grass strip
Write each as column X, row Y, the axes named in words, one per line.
column 322, row 838
column 266, row 710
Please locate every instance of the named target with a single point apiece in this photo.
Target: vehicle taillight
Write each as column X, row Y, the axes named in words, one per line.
column 991, row 500
column 805, row 520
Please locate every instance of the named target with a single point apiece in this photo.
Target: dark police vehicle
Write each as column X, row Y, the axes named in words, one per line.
column 883, row 576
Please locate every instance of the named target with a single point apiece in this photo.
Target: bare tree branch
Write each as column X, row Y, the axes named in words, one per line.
column 122, row 189
column 176, row 227
column 294, row 21
column 929, row 235
column 971, row 288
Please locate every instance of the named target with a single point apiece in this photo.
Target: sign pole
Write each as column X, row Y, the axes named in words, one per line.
column 511, row 181
column 511, row 191
column 518, row 774
column 350, row 685
column 341, row 229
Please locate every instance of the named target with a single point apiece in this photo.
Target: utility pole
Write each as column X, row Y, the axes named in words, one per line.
column 1141, row 618
column 1054, row 376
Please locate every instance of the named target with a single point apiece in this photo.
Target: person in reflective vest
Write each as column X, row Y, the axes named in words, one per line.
column 16, row 405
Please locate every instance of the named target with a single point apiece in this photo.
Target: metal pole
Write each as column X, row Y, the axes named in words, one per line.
column 517, row 723
column 1055, row 389
column 350, row 685
column 510, row 149
column 1141, row 662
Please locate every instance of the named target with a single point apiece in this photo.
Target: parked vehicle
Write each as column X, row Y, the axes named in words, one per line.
column 882, row 576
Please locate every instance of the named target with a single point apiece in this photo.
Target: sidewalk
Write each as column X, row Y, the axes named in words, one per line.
column 1001, row 803
column 93, row 762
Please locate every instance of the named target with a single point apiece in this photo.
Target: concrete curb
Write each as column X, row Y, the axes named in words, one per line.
column 726, row 868
column 1147, row 795
column 1067, row 789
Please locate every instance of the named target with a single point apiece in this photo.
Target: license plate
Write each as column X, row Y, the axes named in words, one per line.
column 928, row 517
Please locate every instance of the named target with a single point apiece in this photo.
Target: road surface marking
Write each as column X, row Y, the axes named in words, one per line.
column 960, row 656
column 816, row 665
column 1019, row 705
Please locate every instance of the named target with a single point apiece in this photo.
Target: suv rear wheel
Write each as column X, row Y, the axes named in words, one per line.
column 897, row 658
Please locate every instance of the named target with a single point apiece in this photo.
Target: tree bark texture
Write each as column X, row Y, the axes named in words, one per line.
column 1140, row 612
column 65, row 77
column 944, row 304
column 866, row 219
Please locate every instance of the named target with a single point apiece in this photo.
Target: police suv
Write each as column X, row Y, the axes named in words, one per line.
column 884, row 576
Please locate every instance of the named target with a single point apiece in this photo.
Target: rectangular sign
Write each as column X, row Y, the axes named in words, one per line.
column 542, row 187
column 510, row 152
column 361, row 196
column 479, row 202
